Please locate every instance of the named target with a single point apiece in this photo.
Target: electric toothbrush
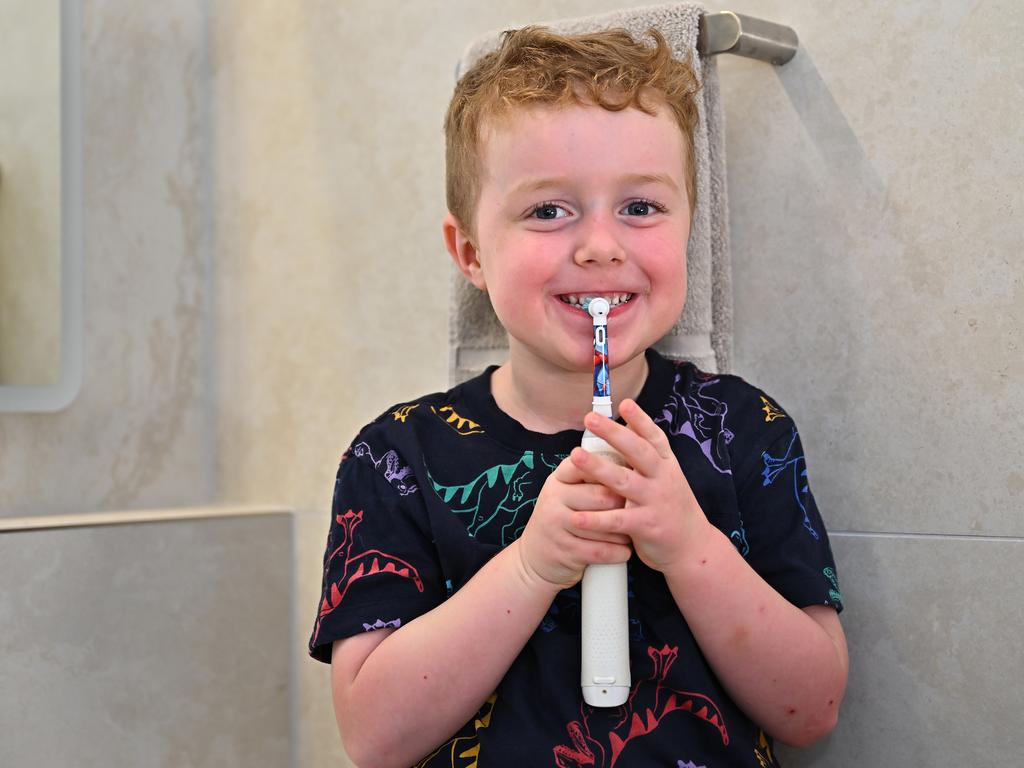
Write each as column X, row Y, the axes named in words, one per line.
column 604, row 611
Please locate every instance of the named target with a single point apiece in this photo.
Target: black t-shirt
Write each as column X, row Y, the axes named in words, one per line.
column 433, row 488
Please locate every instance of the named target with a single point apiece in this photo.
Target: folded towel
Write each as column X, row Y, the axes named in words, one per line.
column 703, row 333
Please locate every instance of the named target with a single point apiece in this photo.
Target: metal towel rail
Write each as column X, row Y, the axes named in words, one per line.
column 729, row 32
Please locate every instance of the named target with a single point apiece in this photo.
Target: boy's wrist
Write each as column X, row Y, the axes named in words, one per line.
column 694, row 552
column 527, row 576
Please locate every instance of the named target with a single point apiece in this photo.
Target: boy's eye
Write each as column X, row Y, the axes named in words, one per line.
column 642, row 208
column 549, row 211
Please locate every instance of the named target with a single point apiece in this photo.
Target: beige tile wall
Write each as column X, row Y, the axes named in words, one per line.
column 875, row 190
column 935, row 653
column 140, row 431
column 875, row 187
column 160, row 644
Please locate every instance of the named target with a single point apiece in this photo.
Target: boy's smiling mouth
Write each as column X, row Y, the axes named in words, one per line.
column 577, row 299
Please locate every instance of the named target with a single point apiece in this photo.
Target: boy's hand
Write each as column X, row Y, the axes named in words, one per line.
column 661, row 515
column 553, row 549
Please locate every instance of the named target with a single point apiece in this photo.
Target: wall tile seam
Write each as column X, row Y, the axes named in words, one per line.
column 14, row 525
column 926, row 536
column 297, row 645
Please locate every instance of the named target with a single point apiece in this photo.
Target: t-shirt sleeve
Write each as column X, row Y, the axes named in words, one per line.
column 380, row 565
column 783, row 536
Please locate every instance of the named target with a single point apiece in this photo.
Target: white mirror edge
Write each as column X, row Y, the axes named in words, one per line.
column 60, row 394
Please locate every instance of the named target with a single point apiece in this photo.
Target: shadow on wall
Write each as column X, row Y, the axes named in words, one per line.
column 805, row 199
column 841, row 199
column 830, row 132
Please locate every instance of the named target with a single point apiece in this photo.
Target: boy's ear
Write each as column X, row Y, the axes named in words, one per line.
column 463, row 251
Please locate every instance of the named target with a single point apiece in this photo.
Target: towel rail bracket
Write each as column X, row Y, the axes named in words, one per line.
column 729, row 32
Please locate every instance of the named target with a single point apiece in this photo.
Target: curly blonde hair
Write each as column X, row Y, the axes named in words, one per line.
column 535, row 66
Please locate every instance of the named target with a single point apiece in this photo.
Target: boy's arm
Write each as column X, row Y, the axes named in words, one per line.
column 785, row 667
column 400, row 694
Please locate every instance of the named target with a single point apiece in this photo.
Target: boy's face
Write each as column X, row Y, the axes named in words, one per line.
column 579, row 201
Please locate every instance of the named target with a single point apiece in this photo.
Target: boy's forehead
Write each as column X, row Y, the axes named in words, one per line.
column 537, row 141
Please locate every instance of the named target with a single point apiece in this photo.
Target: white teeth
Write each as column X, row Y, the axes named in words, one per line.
column 614, row 299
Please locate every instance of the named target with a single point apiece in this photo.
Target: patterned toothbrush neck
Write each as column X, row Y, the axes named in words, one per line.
column 598, row 308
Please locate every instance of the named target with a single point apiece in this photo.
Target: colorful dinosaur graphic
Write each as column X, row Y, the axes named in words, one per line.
column 834, row 594
column 401, row 413
column 739, row 540
column 763, row 751
column 393, row 470
column 460, row 424
column 773, row 467
column 501, row 495
column 372, row 562
column 462, row 751
column 701, row 417
column 771, row 412
column 381, row 624
column 650, row 702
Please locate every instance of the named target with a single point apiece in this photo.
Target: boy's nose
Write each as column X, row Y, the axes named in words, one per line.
column 598, row 244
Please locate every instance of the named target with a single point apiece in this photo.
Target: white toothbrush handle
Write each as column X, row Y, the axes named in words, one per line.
column 604, row 612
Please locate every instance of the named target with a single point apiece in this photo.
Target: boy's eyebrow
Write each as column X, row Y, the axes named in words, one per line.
column 652, row 178
column 631, row 178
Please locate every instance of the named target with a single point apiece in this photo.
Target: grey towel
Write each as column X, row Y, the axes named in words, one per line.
column 703, row 333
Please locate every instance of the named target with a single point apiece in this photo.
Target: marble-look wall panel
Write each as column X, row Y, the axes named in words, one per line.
column 875, row 194
column 936, row 662
column 332, row 275
column 163, row 644
column 139, row 433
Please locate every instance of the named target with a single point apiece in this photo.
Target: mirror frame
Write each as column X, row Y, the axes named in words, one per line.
column 59, row 395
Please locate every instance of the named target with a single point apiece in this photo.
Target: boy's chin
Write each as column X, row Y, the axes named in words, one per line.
column 528, row 360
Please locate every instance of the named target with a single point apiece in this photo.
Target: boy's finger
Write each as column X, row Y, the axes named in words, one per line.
column 602, row 525
column 594, row 533
column 591, row 497
column 598, row 469
column 567, row 472
column 635, row 449
column 621, row 437
column 642, row 424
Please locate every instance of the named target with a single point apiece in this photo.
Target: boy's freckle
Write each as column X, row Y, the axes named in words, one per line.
column 831, row 702
column 704, row 561
column 424, row 677
column 508, row 611
column 792, row 711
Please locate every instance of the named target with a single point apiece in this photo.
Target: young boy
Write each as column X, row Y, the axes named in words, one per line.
column 463, row 521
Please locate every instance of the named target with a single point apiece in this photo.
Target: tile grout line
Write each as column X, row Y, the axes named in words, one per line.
column 911, row 535
column 136, row 517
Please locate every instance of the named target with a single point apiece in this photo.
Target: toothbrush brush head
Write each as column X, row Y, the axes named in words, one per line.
column 597, row 306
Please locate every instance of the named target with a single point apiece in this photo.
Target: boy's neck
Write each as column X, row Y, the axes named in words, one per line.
column 547, row 399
